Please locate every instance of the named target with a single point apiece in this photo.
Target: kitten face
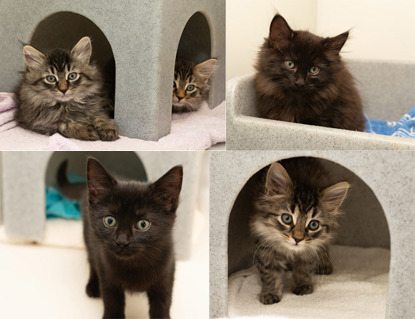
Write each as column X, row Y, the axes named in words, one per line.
column 62, row 76
column 297, row 218
column 132, row 218
column 190, row 84
column 302, row 61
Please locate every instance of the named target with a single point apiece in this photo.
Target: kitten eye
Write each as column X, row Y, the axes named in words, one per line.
column 190, row 87
column 72, row 76
column 51, row 79
column 143, row 225
column 174, row 84
column 314, row 70
column 313, row 225
column 287, row 219
column 290, row 64
column 110, row 221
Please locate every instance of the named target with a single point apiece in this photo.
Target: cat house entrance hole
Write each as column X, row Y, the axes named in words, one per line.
column 64, row 29
column 362, row 225
column 124, row 165
column 195, row 41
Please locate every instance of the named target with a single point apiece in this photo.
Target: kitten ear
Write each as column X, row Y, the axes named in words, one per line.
column 335, row 44
column 333, row 196
column 82, row 51
column 99, row 181
column 167, row 188
column 280, row 33
column 278, row 182
column 33, row 58
column 205, row 68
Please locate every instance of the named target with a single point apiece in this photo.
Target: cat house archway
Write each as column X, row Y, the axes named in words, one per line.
column 370, row 216
column 144, row 38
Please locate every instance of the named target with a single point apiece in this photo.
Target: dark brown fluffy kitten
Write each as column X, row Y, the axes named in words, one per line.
column 301, row 78
column 293, row 223
column 191, row 84
column 62, row 92
column 128, row 234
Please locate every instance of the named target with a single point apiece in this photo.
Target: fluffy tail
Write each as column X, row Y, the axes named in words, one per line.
column 70, row 190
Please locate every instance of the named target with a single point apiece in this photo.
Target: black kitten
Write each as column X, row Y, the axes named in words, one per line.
column 128, row 235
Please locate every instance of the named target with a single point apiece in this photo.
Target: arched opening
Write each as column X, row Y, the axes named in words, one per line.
column 64, row 29
column 360, row 255
column 195, row 42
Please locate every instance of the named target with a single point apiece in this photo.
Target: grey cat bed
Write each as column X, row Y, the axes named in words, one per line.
column 143, row 37
column 387, row 90
column 26, row 174
column 378, row 214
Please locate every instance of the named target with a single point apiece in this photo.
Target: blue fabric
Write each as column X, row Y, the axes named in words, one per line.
column 405, row 127
column 58, row 206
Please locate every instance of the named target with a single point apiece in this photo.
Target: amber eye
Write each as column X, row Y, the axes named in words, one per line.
column 51, row 79
column 110, row 221
column 314, row 70
column 313, row 225
column 290, row 64
column 287, row 219
column 190, row 87
column 143, row 225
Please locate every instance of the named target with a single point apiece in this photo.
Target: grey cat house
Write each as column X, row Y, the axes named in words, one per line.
column 24, row 177
column 134, row 42
column 387, row 90
column 378, row 214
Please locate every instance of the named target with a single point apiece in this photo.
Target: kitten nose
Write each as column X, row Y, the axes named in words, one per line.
column 299, row 82
column 180, row 98
column 63, row 87
column 122, row 240
column 297, row 240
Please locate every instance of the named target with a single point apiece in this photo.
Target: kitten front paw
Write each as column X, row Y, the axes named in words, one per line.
column 108, row 134
column 269, row 298
column 303, row 289
column 325, row 269
column 92, row 289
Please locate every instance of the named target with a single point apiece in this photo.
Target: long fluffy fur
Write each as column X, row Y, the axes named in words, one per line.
column 328, row 98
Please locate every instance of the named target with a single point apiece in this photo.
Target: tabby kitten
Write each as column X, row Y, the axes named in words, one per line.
column 191, row 84
column 128, row 234
column 62, row 92
column 294, row 220
column 301, row 78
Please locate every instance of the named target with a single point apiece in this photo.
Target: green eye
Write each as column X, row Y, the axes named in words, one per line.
column 287, row 219
column 143, row 225
column 190, row 87
column 110, row 221
column 313, row 225
column 51, row 78
column 314, row 70
column 72, row 76
column 290, row 64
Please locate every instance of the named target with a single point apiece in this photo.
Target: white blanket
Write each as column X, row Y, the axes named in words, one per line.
column 356, row 289
column 189, row 131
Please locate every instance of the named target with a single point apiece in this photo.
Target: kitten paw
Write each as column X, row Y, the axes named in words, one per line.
column 269, row 298
column 326, row 269
column 303, row 290
column 109, row 134
column 92, row 290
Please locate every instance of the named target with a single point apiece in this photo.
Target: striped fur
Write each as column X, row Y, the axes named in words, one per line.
column 191, row 84
column 295, row 220
column 62, row 92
